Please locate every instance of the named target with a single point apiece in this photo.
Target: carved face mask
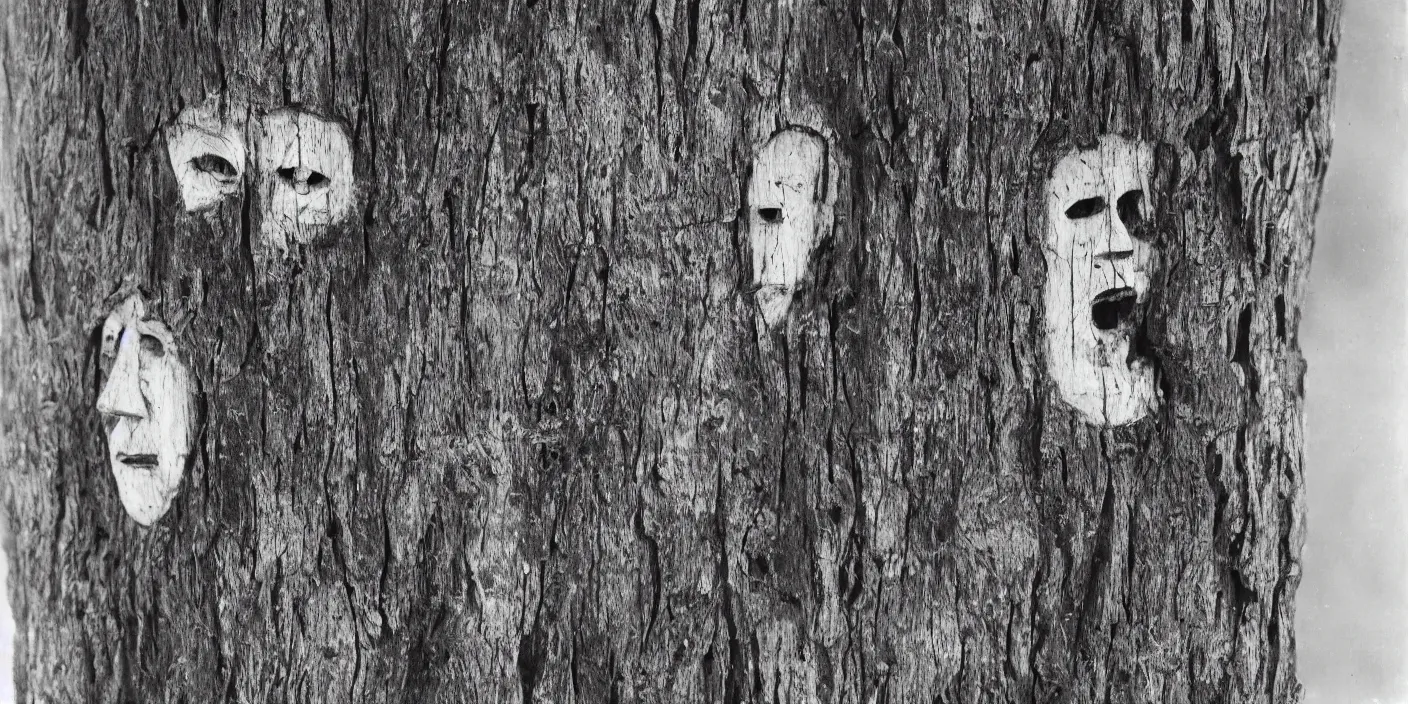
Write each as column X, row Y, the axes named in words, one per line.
column 305, row 165
column 207, row 155
column 789, row 211
column 148, row 408
column 1097, row 280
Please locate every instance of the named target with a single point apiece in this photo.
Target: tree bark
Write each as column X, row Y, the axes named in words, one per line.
column 515, row 431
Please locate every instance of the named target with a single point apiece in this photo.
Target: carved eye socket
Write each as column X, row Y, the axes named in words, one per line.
column 316, row 179
column 1085, row 208
column 1128, row 208
column 287, row 174
column 152, row 346
column 215, row 166
column 770, row 215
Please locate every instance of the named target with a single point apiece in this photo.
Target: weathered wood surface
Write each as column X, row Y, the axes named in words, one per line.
column 516, row 433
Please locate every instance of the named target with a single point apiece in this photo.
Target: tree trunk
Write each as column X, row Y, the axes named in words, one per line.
column 515, row 429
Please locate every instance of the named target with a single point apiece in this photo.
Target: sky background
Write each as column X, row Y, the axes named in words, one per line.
column 1352, row 609
column 1352, row 620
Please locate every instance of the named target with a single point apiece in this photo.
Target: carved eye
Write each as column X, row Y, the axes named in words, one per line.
column 152, row 346
column 287, row 174
column 215, row 166
column 316, row 179
column 770, row 215
column 1131, row 214
column 109, row 343
column 1085, row 208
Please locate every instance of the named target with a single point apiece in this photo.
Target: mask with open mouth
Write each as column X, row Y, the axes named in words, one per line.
column 1097, row 281
column 148, row 408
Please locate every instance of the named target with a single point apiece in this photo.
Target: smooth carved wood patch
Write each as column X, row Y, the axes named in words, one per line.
column 1097, row 281
column 305, row 170
column 206, row 147
column 148, row 409
column 789, row 210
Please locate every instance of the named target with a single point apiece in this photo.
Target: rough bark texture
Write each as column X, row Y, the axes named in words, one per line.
column 515, row 433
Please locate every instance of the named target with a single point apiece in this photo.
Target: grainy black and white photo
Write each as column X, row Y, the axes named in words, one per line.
column 702, row 351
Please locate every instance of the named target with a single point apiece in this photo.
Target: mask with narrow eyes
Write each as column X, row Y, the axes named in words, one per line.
column 1097, row 281
column 206, row 148
column 148, row 407
column 305, row 171
column 789, row 211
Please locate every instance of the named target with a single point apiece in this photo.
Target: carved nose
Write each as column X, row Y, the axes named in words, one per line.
column 1119, row 246
column 122, row 394
column 1120, row 241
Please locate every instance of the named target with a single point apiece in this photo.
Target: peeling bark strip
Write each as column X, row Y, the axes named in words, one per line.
column 512, row 428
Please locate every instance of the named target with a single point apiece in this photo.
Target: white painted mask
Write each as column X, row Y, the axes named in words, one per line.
column 789, row 211
column 1097, row 280
column 305, row 168
column 207, row 155
column 148, row 408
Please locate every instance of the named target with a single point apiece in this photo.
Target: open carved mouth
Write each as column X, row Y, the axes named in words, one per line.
column 1113, row 308
column 143, row 461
